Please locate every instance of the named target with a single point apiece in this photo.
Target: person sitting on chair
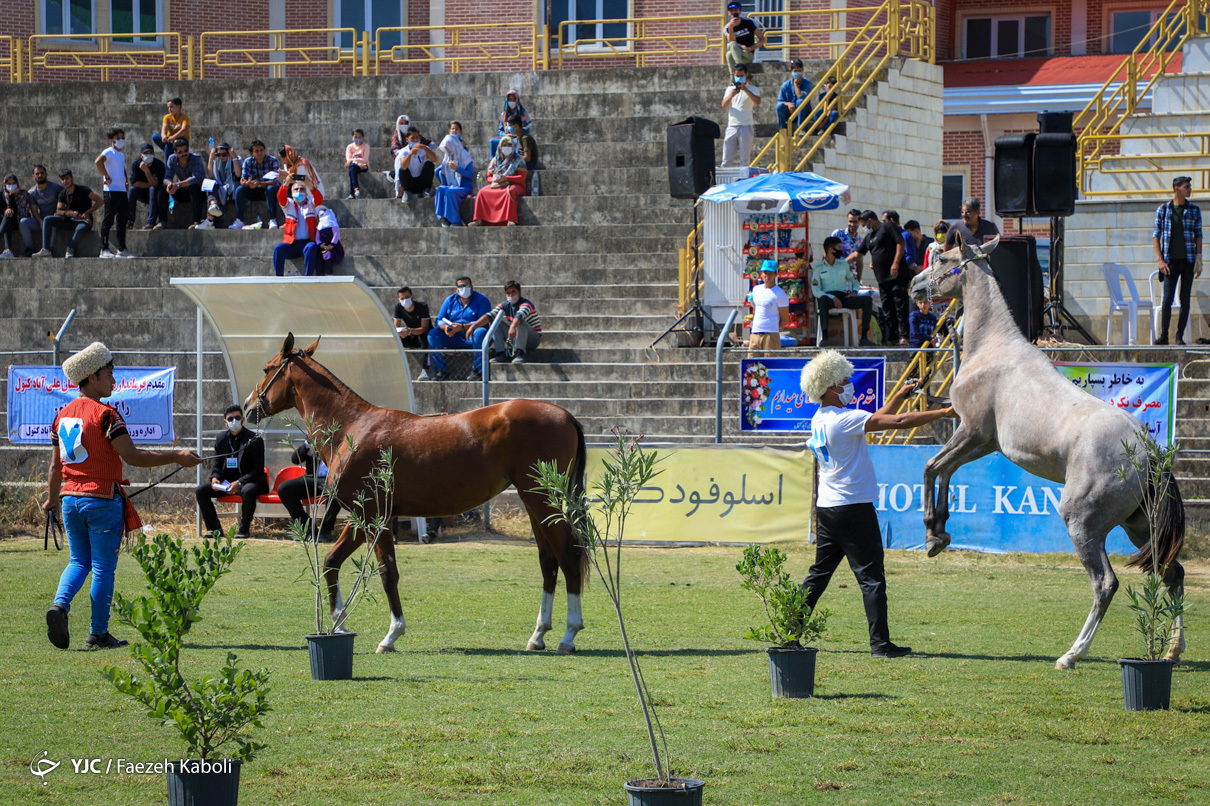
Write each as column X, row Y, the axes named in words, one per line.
column 833, row 286
column 311, row 484
column 239, row 469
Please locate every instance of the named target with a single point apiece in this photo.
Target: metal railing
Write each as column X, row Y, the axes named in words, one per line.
column 283, row 49
column 11, row 62
column 928, row 364
column 470, row 45
column 164, row 52
column 639, row 42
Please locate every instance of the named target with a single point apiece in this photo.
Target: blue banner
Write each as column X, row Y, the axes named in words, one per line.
column 1145, row 391
column 143, row 395
column 994, row 505
column 771, row 398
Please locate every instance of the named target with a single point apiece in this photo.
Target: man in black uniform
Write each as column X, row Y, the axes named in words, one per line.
column 885, row 246
column 239, row 469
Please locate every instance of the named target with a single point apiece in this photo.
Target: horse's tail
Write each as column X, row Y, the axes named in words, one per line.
column 1169, row 526
column 577, row 489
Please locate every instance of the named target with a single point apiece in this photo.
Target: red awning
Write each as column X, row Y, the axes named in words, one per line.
column 1022, row 72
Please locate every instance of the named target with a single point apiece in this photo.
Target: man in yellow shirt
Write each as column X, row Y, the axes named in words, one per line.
column 174, row 125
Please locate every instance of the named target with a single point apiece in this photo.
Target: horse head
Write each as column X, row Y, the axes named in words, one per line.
column 275, row 391
column 947, row 275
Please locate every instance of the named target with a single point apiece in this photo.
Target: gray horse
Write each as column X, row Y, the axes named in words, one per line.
column 1012, row 399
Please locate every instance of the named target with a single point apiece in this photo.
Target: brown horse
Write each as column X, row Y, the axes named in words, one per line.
column 443, row 466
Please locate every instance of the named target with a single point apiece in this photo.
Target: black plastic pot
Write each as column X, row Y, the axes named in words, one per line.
column 1146, row 684
column 331, row 656
column 648, row 792
column 792, row 671
column 218, row 787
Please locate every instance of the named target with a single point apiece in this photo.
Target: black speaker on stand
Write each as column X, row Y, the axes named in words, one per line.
column 1015, row 266
column 1014, row 175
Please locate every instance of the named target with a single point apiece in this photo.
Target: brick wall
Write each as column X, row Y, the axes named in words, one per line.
column 1060, row 19
column 966, row 148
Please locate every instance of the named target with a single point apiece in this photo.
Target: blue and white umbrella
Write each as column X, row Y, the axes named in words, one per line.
column 781, row 193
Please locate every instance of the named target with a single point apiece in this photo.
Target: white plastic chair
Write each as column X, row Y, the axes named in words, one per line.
column 1157, row 303
column 1115, row 273
column 849, row 325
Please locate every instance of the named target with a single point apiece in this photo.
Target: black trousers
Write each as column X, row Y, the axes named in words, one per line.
column 852, row 531
column 1182, row 271
column 895, row 308
column 857, row 302
column 115, row 207
column 417, row 184
column 294, row 491
column 248, row 492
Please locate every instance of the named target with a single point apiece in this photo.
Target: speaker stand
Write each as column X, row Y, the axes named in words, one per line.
column 1055, row 312
column 696, row 309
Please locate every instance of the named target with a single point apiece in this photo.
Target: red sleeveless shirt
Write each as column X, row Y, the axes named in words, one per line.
column 83, row 430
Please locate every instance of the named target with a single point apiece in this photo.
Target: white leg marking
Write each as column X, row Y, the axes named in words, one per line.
column 338, row 607
column 575, row 623
column 397, row 629
column 537, row 640
column 1083, row 641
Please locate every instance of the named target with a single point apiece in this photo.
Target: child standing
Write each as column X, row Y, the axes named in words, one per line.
column 921, row 324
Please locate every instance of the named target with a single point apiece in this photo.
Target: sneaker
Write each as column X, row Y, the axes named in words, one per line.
column 423, row 376
column 107, row 253
column 510, row 223
column 406, row 197
column 357, row 193
column 1161, row 341
column 69, row 253
column 105, row 641
column 519, row 358
column 445, row 223
column 500, row 358
column 214, row 211
column 236, row 224
column 475, row 375
column 43, row 253
column 273, row 223
column 7, row 253
column 475, row 223
column 207, row 224
column 889, row 650
column 350, row 197
column 126, row 253
column 56, row 626
column 441, row 375
column 158, row 225
column 148, row 227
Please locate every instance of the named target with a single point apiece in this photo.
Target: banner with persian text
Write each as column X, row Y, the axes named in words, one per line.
column 143, row 396
column 1145, row 391
column 771, row 398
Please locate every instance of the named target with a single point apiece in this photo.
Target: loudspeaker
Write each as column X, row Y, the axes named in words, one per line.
column 1015, row 266
column 1014, row 161
column 1055, row 174
column 1054, row 122
column 691, row 157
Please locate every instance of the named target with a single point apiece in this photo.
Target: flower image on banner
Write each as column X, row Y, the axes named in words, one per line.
column 755, row 392
column 772, row 400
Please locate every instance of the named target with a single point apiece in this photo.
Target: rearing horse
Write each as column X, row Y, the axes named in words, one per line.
column 443, row 466
column 1012, row 399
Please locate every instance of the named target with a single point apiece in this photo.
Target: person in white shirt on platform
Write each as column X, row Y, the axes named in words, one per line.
column 740, row 101
column 848, row 488
column 770, row 310
column 112, row 165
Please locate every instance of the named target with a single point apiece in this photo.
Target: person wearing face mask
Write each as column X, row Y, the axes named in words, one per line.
column 18, row 209
column 455, row 178
column 357, row 161
column 740, row 100
column 300, row 202
column 298, row 168
column 238, row 469
column 327, row 238
column 496, row 203
column 847, row 521
column 412, row 323
column 147, row 185
column 850, row 237
column 458, row 328
column 225, row 170
column 938, row 245
column 399, row 138
column 833, row 286
column 415, row 167
column 792, row 93
column 112, row 165
column 512, row 106
column 886, row 248
column 524, row 330
column 743, row 36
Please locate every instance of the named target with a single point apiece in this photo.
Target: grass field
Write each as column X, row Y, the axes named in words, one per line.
column 462, row 715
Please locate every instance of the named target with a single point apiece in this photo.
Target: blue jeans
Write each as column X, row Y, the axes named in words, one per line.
column 156, row 200
column 51, row 223
column 438, row 341
column 268, row 195
column 783, row 116
column 354, row 169
column 94, row 529
column 307, row 250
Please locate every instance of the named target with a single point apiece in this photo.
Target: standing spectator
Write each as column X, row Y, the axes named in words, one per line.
column 512, row 106
column 259, row 181
column 524, row 331
column 412, row 323
column 112, row 165
column 770, row 310
column 147, row 185
column 907, row 264
column 327, row 238
column 89, row 443
column 743, row 37
column 223, row 167
column 357, row 161
column 45, row 196
column 828, row 100
column 186, row 171
column 885, row 247
column 793, row 92
column 912, row 233
column 975, row 231
column 455, row 178
column 298, row 167
column 299, row 201
column 850, row 238
column 18, row 209
column 497, row 202
column 73, row 211
column 938, row 245
column 922, row 323
column 1177, row 237
column 293, row 492
column 415, row 165
column 239, row 469
column 174, row 126
column 456, row 326
column 833, row 286
column 740, row 100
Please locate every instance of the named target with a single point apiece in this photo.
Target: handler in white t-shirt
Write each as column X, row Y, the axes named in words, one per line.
column 770, row 310
column 848, row 488
column 740, row 100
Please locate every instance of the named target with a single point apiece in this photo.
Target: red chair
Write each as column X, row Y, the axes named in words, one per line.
column 235, row 499
column 285, row 474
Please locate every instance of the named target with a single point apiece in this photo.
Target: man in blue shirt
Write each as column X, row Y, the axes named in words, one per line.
column 186, row 170
column 796, row 90
column 253, row 186
column 1178, row 247
column 456, row 328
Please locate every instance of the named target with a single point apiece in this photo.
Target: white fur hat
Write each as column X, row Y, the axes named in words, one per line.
column 89, row 360
column 825, row 370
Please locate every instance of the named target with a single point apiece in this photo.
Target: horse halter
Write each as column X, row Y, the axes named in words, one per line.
column 934, row 281
column 262, row 400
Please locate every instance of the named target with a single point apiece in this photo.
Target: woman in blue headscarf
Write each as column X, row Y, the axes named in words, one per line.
column 512, row 106
column 455, row 178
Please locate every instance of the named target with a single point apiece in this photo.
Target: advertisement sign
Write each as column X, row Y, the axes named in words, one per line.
column 721, row 495
column 1145, row 391
column 772, row 400
column 143, row 396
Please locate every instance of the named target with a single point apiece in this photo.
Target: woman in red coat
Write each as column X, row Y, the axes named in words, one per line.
column 497, row 202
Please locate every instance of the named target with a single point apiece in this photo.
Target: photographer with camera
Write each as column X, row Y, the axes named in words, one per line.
column 254, row 186
column 743, row 36
column 299, row 168
column 300, row 202
column 740, row 100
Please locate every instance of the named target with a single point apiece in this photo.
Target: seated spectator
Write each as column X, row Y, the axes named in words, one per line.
column 793, row 92
column 174, row 126
column 18, row 209
column 527, row 146
column 921, row 324
column 413, row 324
column 185, row 172
column 147, row 186
column 399, row 137
column 293, row 492
column 73, row 211
column 327, row 238
column 357, row 161
column 940, row 229
column 457, row 328
column 299, row 201
column 45, row 196
column 239, row 469
column 512, row 106
column 455, row 178
column 298, row 168
column 497, row 202
column 259, row 181
column 415, row 165
column 523, row 331
column 225, row 169
column 828, row 102
column 833, row 286
column 743, row 37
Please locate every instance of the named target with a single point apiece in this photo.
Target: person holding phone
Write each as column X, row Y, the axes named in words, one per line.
column 298, row 168
column 743, row 36
column 740, row 101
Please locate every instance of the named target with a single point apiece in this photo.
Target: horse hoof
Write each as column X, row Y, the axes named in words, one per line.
column 534, row 646
column 936, row 545
column 1064, row 663
column 382, row 650
column 566, row 649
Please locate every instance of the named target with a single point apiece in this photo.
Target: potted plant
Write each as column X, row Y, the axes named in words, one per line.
column 598, row 521
column 210, row 712
column 1147, row 681
column 791, row 621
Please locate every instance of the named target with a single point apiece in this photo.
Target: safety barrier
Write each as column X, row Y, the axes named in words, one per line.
column 639, row 42
column 460, row 45
column 11, row 63
column 283, row 49
column 90, row 53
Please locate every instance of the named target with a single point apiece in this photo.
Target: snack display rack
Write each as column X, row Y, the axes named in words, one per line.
column 781, row 237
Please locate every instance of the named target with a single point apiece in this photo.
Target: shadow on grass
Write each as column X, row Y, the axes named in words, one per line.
column 257, row 647
column 598, row 653
column 1017, row 658
column 866, row 696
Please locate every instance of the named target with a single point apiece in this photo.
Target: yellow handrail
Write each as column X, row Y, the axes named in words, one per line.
column 241, row 54
column 670, row 43
column 925, row 365
column 76, row 52
column 9, row 62
column 473, row 44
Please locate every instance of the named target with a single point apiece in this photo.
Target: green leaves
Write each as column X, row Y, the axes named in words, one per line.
column 791, row 619
column 1156, row 610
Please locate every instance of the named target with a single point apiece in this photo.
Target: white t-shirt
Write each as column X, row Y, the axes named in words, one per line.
column 846, row 474
column 765, row 302
column 413, row 157
column 739, row 113
column 115, row 166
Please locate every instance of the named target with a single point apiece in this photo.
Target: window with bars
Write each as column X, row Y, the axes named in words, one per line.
column 62, row 17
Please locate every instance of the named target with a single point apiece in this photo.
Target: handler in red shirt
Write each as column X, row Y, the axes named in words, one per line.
column 90, row 442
